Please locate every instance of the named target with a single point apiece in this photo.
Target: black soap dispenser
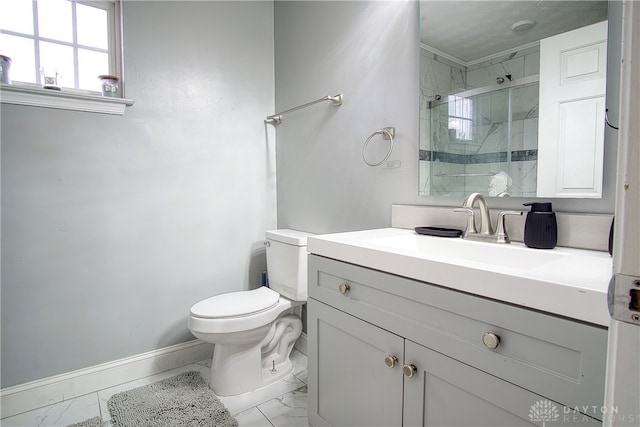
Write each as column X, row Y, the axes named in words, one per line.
column 540, row 228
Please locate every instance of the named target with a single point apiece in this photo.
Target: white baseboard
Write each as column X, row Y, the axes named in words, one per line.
column 301, row 344
column 36, row 394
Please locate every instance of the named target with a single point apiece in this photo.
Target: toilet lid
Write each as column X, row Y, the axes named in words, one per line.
column 235, row 304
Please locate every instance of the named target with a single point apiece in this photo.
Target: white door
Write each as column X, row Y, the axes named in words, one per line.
column 622, row 392
column 573, row 74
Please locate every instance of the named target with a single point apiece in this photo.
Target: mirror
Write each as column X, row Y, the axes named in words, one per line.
column 480, row 80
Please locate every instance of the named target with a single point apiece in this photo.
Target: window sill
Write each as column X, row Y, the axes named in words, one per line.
column 47, row 98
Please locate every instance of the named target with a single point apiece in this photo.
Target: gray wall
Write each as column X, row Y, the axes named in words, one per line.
column 112, row 227
column 369, row 52
column 360, row 49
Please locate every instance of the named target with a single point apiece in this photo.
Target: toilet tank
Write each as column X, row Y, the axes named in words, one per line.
column 287, row 262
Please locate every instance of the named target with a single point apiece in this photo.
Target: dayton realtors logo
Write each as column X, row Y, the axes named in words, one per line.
column 544, row 411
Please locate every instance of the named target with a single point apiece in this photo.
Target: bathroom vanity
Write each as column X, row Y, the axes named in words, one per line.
column 418, row 330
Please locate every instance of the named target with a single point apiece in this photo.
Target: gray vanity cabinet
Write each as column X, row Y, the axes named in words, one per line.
column 389, row 351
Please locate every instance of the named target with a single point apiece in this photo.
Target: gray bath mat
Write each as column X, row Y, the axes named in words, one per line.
column 91, row 422
column 183, row 400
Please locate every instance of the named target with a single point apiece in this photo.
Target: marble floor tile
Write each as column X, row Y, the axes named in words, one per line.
column 287, row 410
column 57, row 415
column 300, row 362
column 242, row 402
column 252, row 418
column 302, row 376
column 206, row 362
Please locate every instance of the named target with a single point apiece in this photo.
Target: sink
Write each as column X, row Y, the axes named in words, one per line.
column 566, row 281
column 512, row 256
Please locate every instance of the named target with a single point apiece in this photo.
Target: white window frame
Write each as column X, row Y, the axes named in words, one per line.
column 461, row 114
column 72, row 98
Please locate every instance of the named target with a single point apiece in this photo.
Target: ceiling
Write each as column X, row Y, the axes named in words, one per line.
column 473, row 29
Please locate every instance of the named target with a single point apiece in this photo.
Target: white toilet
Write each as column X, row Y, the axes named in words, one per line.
column 254, row 331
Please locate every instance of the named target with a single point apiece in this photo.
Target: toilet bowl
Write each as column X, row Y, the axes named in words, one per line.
column 254, row 331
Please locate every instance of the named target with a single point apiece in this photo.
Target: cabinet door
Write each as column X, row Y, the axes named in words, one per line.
column 446, row 392
column 349, row 382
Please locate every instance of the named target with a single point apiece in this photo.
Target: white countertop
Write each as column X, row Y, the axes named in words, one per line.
column 564, row 281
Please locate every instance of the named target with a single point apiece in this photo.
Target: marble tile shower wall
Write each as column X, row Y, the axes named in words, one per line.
column 445, row 158
column 519, row 64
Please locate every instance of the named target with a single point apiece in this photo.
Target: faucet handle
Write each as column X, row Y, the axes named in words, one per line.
column 471, row 220
column 501, row 232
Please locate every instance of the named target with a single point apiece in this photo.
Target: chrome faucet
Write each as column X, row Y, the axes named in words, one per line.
column 486, row 230
column 485, row 220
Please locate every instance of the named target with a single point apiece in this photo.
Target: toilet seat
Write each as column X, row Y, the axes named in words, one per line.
column 236, row 304
column 208, row 322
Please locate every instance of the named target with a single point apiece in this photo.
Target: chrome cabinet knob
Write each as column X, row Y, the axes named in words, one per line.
column 490, row 340
column 409, row 370
column 391, row 361
column 344, row 288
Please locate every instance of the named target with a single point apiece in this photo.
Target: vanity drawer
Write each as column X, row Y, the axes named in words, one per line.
column 555, row 357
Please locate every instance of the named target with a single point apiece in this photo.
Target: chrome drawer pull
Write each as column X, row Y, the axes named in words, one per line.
column 391, row 361
column 409, row 370
column 344, row 288
column 490, row 340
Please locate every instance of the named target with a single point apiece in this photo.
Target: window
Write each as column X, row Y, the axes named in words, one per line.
column 461, row 118
column 74, row 40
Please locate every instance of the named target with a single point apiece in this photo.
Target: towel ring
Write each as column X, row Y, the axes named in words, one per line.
column 388, row 131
